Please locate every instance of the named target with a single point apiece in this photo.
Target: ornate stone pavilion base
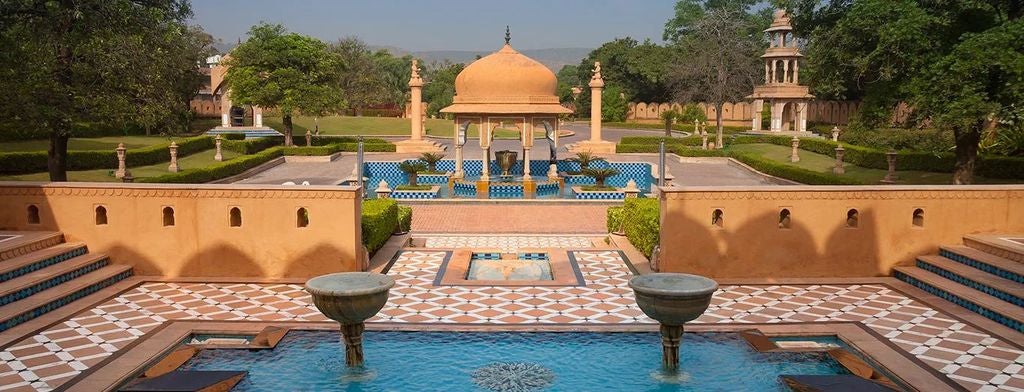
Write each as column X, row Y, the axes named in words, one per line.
column 601, row 147
column 417, row 146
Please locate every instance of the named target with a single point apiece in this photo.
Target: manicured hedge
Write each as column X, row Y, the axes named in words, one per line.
column 404, row 219
column 251, row 146
column 790, row 172
column 35, row 161
column 642, row 223
column 218, row 171
column 614, row 218
column 379, row 219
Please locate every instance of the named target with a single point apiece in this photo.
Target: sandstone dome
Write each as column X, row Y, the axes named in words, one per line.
column 506, row 81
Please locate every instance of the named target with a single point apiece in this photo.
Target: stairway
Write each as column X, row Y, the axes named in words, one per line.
column 986, row 276
column 39, row 273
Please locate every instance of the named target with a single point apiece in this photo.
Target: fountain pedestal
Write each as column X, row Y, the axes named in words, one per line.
column 350, row 298
column 672, row 299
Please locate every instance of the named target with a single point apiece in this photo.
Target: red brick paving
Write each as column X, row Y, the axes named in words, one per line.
column 509, row 218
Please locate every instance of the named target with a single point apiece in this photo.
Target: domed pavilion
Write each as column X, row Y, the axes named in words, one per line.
column 786, row 98
column 506, row 90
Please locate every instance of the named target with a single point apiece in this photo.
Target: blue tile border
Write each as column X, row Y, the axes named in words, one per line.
column 987, row 313
column 978, row 264
column 994, row 292
column 54, row 281
column 40, row 264
column 53, row 305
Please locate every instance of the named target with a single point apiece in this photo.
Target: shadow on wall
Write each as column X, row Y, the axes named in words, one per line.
column 781, row 245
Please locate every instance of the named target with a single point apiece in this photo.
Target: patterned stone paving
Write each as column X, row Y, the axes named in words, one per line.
column 508, row 243
column 973, row 358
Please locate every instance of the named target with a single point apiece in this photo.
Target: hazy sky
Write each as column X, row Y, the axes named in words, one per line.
column 444, row 24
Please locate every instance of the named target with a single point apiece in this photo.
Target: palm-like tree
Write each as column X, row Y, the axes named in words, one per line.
column 410, row 168
column 600, row 174
column 585, row 158
column 431, row 158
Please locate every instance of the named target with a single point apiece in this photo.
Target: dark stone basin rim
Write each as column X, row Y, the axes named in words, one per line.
column 698, row 286
column 365, row 283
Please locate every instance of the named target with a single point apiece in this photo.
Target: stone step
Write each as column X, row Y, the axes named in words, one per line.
column 1005, row 246
column 26, row 242
column 29, row 284
column 985, row 282
column 21, row 265
column 995, row 265
column 46, row 301
column 973, row 300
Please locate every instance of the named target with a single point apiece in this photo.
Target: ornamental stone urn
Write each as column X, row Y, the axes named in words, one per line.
column 672, row 299
column 350, row 298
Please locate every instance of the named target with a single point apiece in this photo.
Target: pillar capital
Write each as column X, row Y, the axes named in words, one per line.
column 415, row 80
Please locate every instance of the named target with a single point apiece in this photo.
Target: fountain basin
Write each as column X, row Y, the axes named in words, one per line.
column 673, row 298
column 350, row 297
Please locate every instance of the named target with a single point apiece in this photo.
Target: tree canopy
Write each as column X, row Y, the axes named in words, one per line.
column 288, row 71
column 67, row 64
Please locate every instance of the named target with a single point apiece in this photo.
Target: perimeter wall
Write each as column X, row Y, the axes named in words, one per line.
column 750, row 241
column 205, row 239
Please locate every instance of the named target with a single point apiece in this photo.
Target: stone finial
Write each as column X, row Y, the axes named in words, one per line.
column 631, row 190
column 218, row 155
column 703, row 140
column 415, row 80
column 890, row 176
column 835, row 134
column 173, row 167
column 383, row 191
column 795, row 156
column 508, row 36
column 839, row 167
column 309, row 138
column 596, row 80
column 552, row 172
column 121, row 167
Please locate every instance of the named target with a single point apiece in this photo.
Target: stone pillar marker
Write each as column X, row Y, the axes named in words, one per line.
column 835, row 134
column 383, row 191
column 795, row 155
column 552, row 172
column 890, row 176
column 839, row 169
column 121, row 167
column 704, row 140
column 257, row 117
column 417, row 117
column 309, row 138
column 173, row 167
column 596, row 85
column 631, row 190
column 218, row 156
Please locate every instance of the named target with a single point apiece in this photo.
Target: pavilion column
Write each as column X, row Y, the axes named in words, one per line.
column 796, row 70
column 596, row 85
column 785, row 71
column 756, row 121
column 485, row 170
column 526, row 162
column 767, row 73
column 257, row 116
column 225, row 109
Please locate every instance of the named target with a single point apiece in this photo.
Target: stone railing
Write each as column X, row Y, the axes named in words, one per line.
column 804, row 231
column 828, row 112
column 199, row 230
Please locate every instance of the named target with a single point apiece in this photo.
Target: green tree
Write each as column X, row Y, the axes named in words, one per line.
column 359, row 78
column 67, row 64
column 722, row 61
column 289, row 71
column 568, row 77
column 395, row 73
column 688, row 13
column 614, row 104
column 439, row 90
column 637, row 68
column 923, row 52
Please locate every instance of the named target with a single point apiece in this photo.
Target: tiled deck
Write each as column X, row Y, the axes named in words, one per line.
column 975, row 359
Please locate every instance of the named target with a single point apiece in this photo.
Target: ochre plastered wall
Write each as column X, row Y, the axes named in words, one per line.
column 201, row 242
column 750, row 243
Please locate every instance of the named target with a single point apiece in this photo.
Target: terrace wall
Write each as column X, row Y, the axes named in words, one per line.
column 750, row 243
column 202, row 241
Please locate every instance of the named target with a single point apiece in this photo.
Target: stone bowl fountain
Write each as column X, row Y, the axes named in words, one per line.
column 350, row 298
column 672, row 299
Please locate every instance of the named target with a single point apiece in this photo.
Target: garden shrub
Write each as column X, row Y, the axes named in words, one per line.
column 233, row 136
column 379, row 219
column 218, row 171
column 404, row 219
column 614, row 218
column 794, row 173
column 251, row 146
column 35, row 161
column 642, row 223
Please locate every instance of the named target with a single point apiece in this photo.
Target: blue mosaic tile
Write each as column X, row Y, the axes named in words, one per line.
column 997, row 317
column 40, row 264
column 414, row 194
column 982, row 266
column 59, row 302
column 54, row 281
column 600, row 195
column 1013, row 299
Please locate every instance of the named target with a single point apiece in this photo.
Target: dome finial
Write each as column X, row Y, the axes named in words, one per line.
column 508, row 36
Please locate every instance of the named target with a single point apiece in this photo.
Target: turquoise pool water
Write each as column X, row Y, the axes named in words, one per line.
column 447, row 361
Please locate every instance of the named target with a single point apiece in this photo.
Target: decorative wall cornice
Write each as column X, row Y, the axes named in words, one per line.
column 859, row 194
column 188, row 192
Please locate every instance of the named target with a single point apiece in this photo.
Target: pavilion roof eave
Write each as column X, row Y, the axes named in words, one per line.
column 505, row 108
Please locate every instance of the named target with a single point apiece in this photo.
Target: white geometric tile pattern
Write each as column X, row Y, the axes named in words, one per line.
column 507, row 243
column 969, row 356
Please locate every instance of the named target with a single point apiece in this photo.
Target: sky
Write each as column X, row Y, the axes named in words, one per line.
column 444, row 24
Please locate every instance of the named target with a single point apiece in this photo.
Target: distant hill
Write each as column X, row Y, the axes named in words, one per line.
column 554, row 58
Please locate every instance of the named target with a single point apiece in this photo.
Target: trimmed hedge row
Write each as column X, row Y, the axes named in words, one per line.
column 614, row 218
column 641, row 222
column 790, row 172
column 379, row 219
column 251, row 146
column 404, row 218
column 220, row 170
column 36, row 161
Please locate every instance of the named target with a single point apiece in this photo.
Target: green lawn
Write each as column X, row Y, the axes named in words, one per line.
column 200, row 159
column 824, row 164
column 98, row 143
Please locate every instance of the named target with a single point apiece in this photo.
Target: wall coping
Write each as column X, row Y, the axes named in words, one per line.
column 839, row 188
column 8, row 188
